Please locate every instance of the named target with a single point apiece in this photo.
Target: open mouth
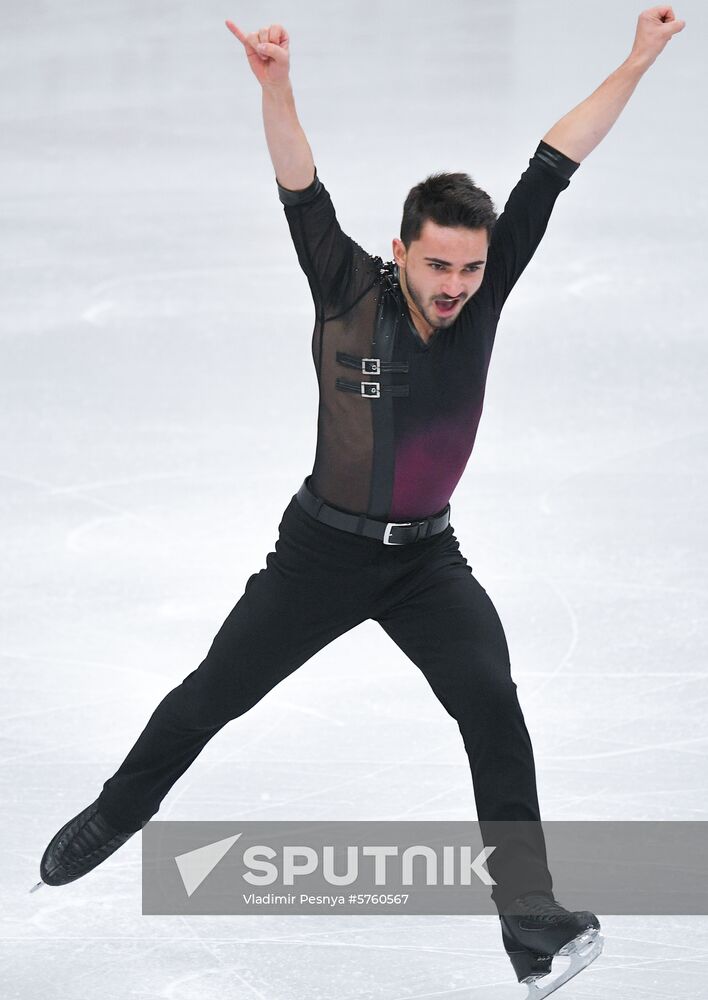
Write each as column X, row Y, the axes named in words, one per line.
column 446, row 306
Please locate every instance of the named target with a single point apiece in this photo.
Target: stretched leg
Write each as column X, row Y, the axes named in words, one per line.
column 445, row 622
column 289, row 610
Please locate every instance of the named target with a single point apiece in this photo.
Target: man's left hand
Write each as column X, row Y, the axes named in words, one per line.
column 654, row 29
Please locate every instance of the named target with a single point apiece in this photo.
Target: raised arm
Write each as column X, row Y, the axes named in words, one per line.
column 268, row 52
column 578, row 132
column 338, row 270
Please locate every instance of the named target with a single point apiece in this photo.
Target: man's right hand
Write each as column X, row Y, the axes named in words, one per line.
column 270, row 64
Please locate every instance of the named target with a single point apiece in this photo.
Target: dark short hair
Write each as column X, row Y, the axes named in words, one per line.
column 448, row 200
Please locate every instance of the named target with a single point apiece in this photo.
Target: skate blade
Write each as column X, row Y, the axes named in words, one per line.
column 581, row 951
column 37, row 886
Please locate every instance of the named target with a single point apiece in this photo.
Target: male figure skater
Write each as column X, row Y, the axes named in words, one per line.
column 401, row 351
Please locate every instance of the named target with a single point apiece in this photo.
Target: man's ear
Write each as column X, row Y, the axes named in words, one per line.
column 399, row 252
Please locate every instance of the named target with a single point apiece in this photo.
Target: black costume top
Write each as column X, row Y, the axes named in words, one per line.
column 398, row 416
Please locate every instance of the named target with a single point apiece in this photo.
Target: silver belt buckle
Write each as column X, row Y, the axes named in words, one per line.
column 387, row 531
column 374, row 387
column 366, row 362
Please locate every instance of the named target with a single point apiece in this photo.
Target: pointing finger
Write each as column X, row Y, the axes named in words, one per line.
column 236, row 31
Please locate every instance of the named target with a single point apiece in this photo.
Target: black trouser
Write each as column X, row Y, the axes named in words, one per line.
column 318, row 583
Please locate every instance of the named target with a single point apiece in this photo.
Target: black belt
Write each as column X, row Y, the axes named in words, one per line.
column 390, row 533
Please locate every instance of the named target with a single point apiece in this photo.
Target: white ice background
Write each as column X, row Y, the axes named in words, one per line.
column 159, row 410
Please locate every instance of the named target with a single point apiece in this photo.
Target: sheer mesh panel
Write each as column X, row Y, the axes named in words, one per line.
column 345, row 284
column 343, row 460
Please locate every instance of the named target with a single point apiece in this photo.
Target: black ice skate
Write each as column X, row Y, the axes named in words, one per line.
column 81, row 844
column 536, row 930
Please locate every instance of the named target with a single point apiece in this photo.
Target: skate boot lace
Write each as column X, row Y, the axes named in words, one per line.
column 93, row 837
column 544, row 907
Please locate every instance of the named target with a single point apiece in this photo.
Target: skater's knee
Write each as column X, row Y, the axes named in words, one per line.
column 485, row 689
column 214, row 704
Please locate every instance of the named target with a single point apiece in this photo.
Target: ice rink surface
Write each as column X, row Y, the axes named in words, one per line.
column 159, row 409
